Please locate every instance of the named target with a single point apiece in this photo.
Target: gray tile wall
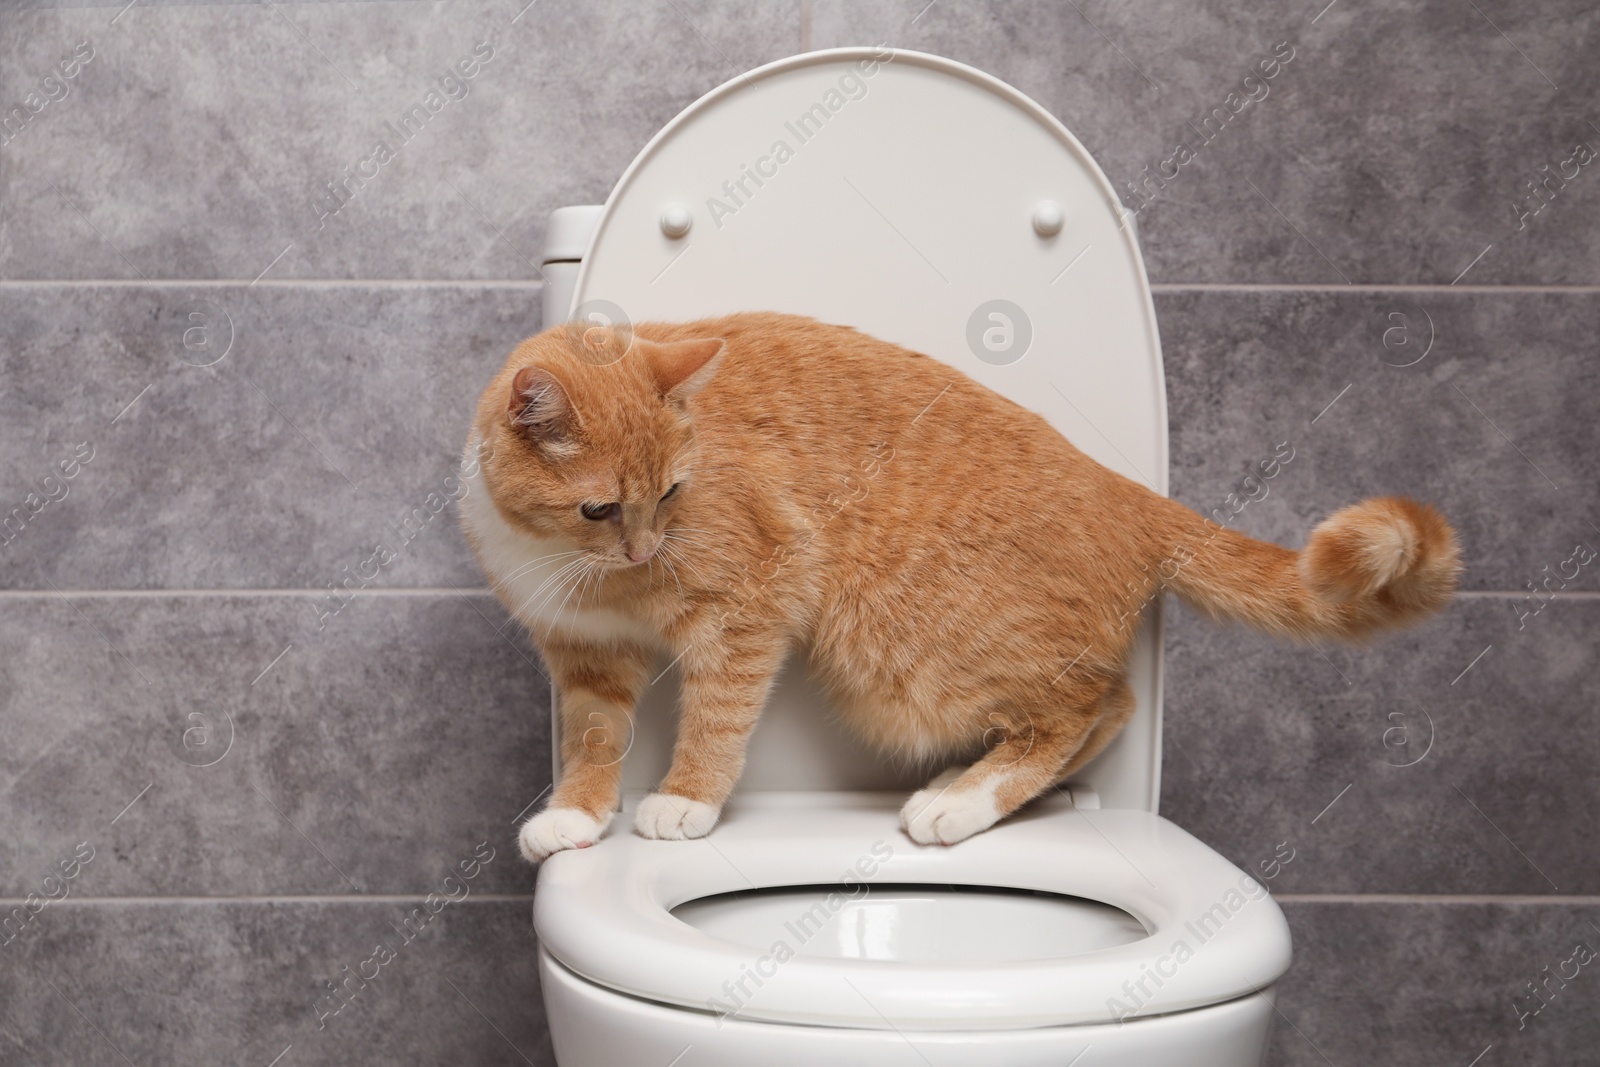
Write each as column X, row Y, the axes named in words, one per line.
column 271, row 780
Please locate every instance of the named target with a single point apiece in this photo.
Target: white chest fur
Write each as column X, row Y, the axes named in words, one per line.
column 539, row 577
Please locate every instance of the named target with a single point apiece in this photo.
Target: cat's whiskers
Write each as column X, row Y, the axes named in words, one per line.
column 534, row 563
column 663, row 552
column 682, row 546
column 569, row 581
column 557, row 580
column 682, row 543
column 688, row 536
column 583, row 588
column 674, row 553
column 600, row 575
column 582, row 580
column 551, row 579
column 555, row 575
column 673, row 556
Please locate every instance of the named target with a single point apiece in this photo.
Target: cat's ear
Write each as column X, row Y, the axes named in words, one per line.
column 539, row 405
column 682, row 368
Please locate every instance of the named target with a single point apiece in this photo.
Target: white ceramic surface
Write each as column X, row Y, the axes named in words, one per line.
column 591, row 1026
column 913, row 923
column 1214, row 933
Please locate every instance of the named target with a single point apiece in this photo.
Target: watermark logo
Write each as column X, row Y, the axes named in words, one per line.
column 1251, row 489
column 605, row 333
column 453, row 85
column 398, row 536
column 345, row 989
column 1138, row 992
column 1251, row 89
column 51, row 488
column 205, row 738
column 602, row 743
column 1540, row 595
column 741, row 989
column 999, row 332
column 51, row 88
column 852, row 490
column 1543, row 990
column 55, row 888
column 202, row 332
column 739, row 190
column 1543, row 187
column 1403, row 334
column 1399, row 743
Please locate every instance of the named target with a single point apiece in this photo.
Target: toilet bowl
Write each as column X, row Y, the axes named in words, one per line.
column 927, row 203
column 801, row 935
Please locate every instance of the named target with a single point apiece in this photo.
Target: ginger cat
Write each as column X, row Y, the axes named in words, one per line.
column 725, row 490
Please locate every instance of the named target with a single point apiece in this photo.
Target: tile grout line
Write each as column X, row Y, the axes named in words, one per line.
column 1562, row 899
column 306, row 898
column 450, row 590
column 136, row 594
column 534, row 283
column 1508, row 594
column 271, row 283
column 1279, row 287
column 1552, row 899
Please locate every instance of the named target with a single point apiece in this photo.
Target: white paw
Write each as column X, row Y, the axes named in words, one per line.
column 673, row 818
column 943, row 816
column 554, row 829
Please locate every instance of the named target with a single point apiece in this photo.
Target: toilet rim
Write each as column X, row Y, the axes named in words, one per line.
column 605, row 914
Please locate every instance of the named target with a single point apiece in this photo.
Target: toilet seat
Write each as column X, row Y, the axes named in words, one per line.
column 605, row 914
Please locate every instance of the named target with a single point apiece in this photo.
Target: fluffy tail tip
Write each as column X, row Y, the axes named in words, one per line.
column 1390, row 551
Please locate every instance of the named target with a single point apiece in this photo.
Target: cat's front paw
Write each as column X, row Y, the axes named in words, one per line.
column 944, row 816
column 554, row 829
column 666, row 817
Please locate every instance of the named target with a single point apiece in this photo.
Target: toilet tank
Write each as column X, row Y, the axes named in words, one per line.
column 926, row 203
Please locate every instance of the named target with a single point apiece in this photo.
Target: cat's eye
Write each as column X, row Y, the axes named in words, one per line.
column 597, row 512
column 669, row 492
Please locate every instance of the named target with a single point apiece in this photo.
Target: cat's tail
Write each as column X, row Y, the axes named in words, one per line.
column 1382, row 563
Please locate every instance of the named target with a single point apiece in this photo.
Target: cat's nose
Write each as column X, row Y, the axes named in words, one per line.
column 639, row 554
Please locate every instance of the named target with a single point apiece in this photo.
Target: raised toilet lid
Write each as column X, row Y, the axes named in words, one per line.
column 1190, row 930
column 927, row 203
column 924, row 202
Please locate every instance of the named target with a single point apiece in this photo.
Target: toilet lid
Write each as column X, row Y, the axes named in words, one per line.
column 1214, row 934
column 923, row 202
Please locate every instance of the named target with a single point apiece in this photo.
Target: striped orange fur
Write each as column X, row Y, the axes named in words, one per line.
column 940, row 553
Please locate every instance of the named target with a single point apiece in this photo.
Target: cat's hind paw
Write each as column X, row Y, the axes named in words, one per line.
column 666, row 817
column 554, row 829
column 943, row 816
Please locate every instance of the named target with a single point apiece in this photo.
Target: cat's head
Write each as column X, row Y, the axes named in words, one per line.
column 589, row 437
